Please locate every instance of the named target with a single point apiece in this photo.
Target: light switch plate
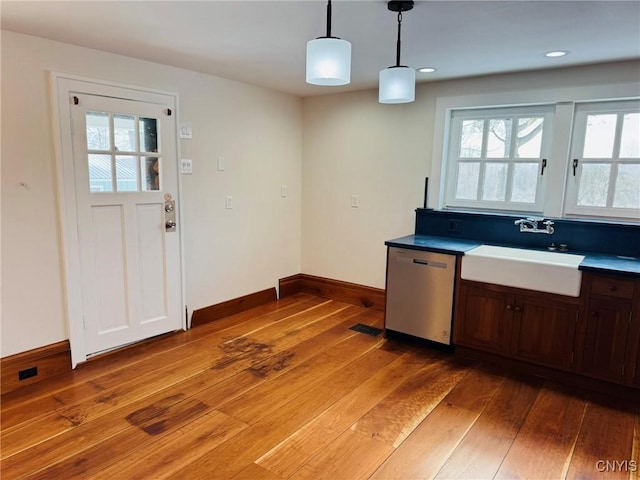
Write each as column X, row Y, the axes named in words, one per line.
column 228, row 202
column 186, row 166
column 185, row 130
column 355, row 201
column 221, row 164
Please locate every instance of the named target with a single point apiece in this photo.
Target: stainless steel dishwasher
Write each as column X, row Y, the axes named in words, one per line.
column 420, row 294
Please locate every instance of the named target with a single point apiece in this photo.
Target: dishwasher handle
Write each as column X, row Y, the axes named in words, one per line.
column 419, row 261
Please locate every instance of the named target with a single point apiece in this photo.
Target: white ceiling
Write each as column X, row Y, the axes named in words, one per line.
column 263, row 42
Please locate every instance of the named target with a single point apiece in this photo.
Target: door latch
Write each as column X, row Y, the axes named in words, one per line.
column 170, row 215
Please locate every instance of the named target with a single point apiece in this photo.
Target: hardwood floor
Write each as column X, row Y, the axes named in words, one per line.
column 287, row 390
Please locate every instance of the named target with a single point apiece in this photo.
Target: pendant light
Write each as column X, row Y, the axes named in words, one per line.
column 398, row 83
column 328, row 58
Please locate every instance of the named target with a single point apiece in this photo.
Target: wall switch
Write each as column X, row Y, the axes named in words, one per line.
column 228, row 202
column 355, row 201
column 186, row 166
column 283, row 191
column 221, row 164
column 185, row 130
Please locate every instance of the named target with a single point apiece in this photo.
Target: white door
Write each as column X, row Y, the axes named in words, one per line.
column 125, row 175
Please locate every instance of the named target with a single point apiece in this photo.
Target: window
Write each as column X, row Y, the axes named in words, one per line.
column 562, row 159
column 605, row 160
column 497, row 158
column 126, row 145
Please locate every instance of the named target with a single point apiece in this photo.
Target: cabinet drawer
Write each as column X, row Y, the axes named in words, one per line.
column 612, row 286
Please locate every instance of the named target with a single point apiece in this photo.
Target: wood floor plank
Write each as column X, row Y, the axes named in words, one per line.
column 98, row 384
column 124, row 358
column 396, row 416
column 550, row 430
column 162, row 458
column 316, row 435
column 218, row 386
column 425, row 451
column 481, row 451
column 351, row 456
column 613, row 443
column 313, row 399
column 70, row 415
column 230, row 458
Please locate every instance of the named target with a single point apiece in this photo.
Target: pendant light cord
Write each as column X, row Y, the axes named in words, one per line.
column 399, row 41
column 329, row 19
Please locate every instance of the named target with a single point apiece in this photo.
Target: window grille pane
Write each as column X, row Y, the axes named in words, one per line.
column 499, row 138
column 100, row 173
column 525, row 182
column 149, row 135
column 151, row 167
column 494, row 187
column 529, row 140
column 127, row 173
column 627, row 194
column 630, row 141
column 594, row 185
column 124, row 131
column 600, row 136
column 467, row 182
column 98, row 137
column 471, row 139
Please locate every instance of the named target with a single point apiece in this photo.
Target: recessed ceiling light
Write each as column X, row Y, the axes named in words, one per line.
column 556, row 53
column 426, row 70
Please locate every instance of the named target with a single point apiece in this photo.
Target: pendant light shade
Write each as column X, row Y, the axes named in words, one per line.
column 328, row 58
column 397, row 84
column 328, row 61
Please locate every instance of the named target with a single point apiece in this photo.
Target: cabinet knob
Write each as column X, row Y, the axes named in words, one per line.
column 518, row 309
column 594, row 314
column 613, row 288
column 508, row 307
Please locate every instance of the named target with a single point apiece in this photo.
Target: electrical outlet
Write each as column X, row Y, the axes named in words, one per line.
column 455, row 226
column 27, row 373
column 228, row 202
column 283, row 191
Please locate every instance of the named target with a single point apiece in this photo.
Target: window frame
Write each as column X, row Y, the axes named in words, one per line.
column 457, row 118
column 581, row 113
column 563, row 98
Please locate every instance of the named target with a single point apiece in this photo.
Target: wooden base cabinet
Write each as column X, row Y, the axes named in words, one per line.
column 608, row 329
column 530, row 326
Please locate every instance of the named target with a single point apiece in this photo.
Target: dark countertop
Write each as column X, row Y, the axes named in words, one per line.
column 595, row 262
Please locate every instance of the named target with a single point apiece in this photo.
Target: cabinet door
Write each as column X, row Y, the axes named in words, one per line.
column 607, row 330
column 544, row 331
column 484, row 319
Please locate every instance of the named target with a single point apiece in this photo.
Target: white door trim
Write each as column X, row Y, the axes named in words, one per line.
column 62, row 86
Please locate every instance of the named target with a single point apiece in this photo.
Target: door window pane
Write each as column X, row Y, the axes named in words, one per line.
column 98, row 136
column 600, row 136
column 100, row 174
column 471, row 140
column 467, row 183
column 594, row 185
column 529, row 140
column 494, row 187
column 148, row 135
column 525, row 182
column 499, row 138
column 151, row 166
column 630, row 141
column 126, row 173
column 627, row 193
column 124, row 130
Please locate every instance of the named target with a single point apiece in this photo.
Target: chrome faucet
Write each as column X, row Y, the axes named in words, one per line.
column 530, row 225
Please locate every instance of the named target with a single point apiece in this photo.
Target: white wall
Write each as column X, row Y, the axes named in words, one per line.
column 228, row 253
column 353, row 145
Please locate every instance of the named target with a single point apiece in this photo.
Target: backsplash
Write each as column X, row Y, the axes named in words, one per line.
column 578, row 235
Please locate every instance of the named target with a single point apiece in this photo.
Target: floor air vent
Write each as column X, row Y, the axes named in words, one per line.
column 373, row 331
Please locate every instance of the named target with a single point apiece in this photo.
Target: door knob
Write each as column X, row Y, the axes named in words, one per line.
column 170, row 225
